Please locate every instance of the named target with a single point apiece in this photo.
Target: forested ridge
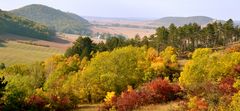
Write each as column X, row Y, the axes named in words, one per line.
column 24, row 27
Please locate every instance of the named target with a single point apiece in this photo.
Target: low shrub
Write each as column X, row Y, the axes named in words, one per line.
column 161, row 91
column 128, row 100
column 36, row 102
column 226, row 86
column 42, row 101
column 156, row 91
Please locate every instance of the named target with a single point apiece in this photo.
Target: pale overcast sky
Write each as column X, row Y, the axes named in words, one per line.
column 220, row 9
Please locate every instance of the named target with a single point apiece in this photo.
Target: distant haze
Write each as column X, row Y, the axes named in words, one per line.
column 151, row 9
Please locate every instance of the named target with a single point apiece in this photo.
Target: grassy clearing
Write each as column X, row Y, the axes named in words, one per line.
column 158, row 107
column 88, row 107
column 12, row 52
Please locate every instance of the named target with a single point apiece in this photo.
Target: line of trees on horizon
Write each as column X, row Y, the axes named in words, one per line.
column 184, row 38
column 192, row 36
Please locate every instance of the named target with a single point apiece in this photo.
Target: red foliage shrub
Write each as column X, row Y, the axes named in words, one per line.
column 161, row 91
column 128, row 101
column 157, row 91
column 237, row 68
column 54, row 102
column 226, row 86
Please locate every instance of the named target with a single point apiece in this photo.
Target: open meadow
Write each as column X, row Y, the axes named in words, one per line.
column 12, row 52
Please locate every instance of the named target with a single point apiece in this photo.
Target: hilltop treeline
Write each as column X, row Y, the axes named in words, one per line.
column 192, row 36
column 10, row 23
column 184, row 38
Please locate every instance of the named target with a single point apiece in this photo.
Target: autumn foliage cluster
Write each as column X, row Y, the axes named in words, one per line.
column 62, row 83
column 211, row 80
column 124, row 79
column 154, row 92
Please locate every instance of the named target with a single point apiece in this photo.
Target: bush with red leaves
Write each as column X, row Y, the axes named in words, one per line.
column 161, row 91
column 226, row 86
column 53, row 102
column 157, row 91
column 237, row 68
column 128, row 100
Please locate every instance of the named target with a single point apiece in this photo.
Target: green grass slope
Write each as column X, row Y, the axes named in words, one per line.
column 12, row 52
column 61, row 21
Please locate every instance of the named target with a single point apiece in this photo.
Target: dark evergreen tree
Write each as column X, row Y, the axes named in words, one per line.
column 114, row 42
column 2, row 66
column 173, row 35
column 3, row 84
column 83, row 47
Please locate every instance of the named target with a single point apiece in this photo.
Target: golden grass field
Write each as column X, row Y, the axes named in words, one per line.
column 128, row 32
column 101, row 26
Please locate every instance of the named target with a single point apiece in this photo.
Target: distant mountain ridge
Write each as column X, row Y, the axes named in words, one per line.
column 62, row 21
column 180, row 21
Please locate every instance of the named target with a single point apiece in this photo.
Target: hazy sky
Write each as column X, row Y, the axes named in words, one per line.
column 220, row 9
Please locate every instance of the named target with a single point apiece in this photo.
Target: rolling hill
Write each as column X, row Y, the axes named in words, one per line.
column 180, row 21
column 9, row 23
column 61, row 21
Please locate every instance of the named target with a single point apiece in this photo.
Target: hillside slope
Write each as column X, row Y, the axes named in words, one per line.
column 9, row 23
column 60, row 21
column 180, row 21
